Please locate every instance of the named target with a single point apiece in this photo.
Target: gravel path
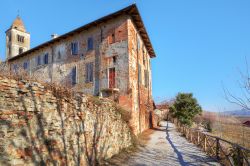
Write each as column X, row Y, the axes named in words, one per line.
column 167, row 147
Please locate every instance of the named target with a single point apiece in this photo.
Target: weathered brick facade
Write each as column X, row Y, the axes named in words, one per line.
column 109, row 57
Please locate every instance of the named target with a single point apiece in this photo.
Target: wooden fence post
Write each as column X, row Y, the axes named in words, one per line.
column 191, row 136
column 217, row 148
column 205, row 143
column 198, row 138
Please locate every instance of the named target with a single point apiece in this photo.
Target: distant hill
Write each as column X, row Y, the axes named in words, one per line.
column 242, row 112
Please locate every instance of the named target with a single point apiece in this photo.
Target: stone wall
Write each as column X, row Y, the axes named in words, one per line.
column 41, row 125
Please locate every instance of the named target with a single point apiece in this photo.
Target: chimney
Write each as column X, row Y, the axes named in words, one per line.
column 53, row 36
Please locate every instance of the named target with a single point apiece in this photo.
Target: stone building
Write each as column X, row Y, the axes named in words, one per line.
column 107, row 57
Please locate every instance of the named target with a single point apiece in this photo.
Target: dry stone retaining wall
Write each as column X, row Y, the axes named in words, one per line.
column 42, row 126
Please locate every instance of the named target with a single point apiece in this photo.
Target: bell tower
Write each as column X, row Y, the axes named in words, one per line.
column 17, row 39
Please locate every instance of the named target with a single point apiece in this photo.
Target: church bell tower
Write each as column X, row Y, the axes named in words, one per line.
column 17, row 39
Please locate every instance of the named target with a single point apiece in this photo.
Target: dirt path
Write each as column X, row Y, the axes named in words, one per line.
column 166, row 147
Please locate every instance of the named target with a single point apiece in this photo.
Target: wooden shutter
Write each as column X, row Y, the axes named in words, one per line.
column 90, row 43
column 73, row 74
column 89, row 72
column 46, row 58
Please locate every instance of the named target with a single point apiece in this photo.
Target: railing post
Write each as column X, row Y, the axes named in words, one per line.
column 198, row 137
column 191, row 135
column 217, row 148
column 205, row 143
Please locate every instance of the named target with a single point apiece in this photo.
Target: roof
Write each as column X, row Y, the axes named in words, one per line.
column 131, row 10
column 247, row 123
column 18, row 24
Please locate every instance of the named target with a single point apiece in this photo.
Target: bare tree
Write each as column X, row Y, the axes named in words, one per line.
column 244, row 84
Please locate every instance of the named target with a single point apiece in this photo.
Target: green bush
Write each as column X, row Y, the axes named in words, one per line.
column 185, row 108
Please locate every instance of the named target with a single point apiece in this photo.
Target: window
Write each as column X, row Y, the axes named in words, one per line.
column 9, row 50
column 89, row 72
column 25, row 65
column 139, row 72
column 114, row 59
column 74, row 48
column 111, row 38
column 112, row 78
column 59, row 55
column 15, row 68
column 73, row 76
column 46, row 58
column 146, row 79
column 20, row 38
column 38, row 60
column 138, row 42
column 20, row 51
column 90, row 43
column 144, row 60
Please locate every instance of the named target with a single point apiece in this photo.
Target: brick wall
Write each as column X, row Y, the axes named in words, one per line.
column 40, row 125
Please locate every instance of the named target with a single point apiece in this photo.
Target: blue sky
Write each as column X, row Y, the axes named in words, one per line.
column 200, row 45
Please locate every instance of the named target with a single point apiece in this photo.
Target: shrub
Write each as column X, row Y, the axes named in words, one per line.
column 185, row 108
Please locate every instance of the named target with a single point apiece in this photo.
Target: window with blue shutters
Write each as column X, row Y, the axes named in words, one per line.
column 73, row 75
column 74, row 48
column 90, row 43
column 46, row 58
column 89, row 72
column 38, row 60
column 15, row 68
column 25, row 65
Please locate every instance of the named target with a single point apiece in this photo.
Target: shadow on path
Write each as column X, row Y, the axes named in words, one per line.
column 179, row 155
